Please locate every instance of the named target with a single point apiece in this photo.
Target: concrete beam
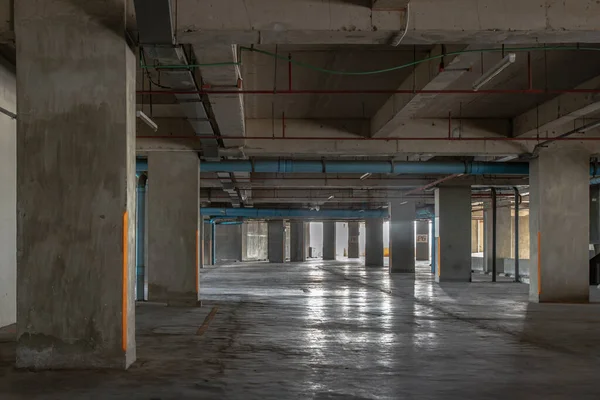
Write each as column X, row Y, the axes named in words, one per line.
column 556, row 113
column 400, row 108
column 431, row 21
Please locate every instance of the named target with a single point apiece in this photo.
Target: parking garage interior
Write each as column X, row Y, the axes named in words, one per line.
column 299, row 199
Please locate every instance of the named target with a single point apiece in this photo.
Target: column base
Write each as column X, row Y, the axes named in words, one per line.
column 402, row 271
column 583, row 299
column 159, row 294
column 43, row 352
column 441, row 279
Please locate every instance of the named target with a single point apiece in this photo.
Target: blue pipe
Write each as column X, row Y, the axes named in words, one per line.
column 362, row 167
column 291, row 213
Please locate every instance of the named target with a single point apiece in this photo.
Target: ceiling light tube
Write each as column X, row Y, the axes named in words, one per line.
column 495, row 71
column 147, row 120
column 365, row 176
column 330, row 197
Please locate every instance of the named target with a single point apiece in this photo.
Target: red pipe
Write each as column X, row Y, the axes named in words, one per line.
column 406, row 91
column 290, row 71
column 384, row 139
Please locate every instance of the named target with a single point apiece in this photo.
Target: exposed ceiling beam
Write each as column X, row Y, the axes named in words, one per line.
column 399, row 108
column 554, row 114
column 298, row 142
column 431, row 21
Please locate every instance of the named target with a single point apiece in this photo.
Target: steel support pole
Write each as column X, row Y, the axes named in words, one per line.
column 494, row 221
column 517, row 203
column 433, row 246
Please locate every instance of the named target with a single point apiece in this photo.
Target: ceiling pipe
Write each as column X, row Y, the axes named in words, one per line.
column 263, row 213
column 291, row 213
column 362, row 167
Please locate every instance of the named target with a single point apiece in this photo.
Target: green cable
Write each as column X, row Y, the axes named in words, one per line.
column 374, row 72
column 437, row 57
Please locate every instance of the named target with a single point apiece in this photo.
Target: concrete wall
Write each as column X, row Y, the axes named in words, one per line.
column 316, row 238
column 8, row 198
column 228, row 243
column 257, row 241
column 341, row 239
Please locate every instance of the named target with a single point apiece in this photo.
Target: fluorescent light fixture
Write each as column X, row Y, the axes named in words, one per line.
column 330, row 197
column 403, row 203
column 365, row 176
column 147, row 120
column 495, row 71
column 589, row 127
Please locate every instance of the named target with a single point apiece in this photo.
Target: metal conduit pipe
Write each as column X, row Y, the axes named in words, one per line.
column 259, row 213
column 291, row 213
column 363, row 167
column 359, row 167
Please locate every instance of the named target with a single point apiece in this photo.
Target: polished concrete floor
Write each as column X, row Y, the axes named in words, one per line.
column 336, row 330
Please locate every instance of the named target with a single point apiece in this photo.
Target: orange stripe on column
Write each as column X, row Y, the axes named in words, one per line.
column 125, row 280
column 197, row 260
column 439, row 257
column 539, row 262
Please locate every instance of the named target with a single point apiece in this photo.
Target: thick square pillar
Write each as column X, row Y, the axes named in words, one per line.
column 329, row 242
column 277, row 241
column 374, row 242
column 298, row 244
column 453, row 234
column 402, row 236
column 173, row 230
column 353, row 244
column 559, row 225
column 76, row 186
column 422, row 246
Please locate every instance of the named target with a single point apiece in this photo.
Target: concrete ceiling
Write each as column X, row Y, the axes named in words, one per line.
column 262, row 72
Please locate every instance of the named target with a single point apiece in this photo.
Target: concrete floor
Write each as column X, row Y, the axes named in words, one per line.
column 335, row 330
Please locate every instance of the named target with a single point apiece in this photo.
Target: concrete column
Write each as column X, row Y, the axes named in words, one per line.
column 245, row 229
column 141, row 243
column 504, row 235
column 374, row 242
column 228, row 243
column 453, row 233
column 402, row 236
column 329, row 240
column 422, row 246
column 298, row 241
column 559, row 225
column 208, row 243
column 353, row 234
column 277, row 241
column 173, row 216
column 76, row 186
column 595, row 216
column 8, row 198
